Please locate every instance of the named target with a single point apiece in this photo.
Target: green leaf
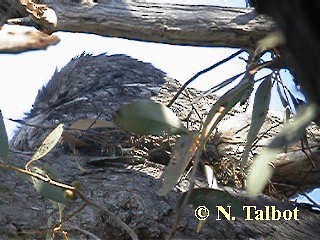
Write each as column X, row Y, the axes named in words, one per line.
column 145, row 117
column 259, row 113
column 223, row 106
column 292, row 131
column 211, row 198
column 48, row 144
column 4, row 146
column 262, row 169
column 47, row 190
column 183, row 153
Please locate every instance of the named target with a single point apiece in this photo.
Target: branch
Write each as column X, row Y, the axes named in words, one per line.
column 164, row 22
column 20, row 39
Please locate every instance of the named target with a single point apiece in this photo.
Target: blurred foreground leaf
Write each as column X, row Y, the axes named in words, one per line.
column 272, row 40
column 262, row 169
column 47, row 190
column 183, row 153
column 292, row 131
column 259, row 113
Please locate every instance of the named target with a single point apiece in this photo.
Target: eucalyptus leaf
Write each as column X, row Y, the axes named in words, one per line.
column 184, row 150
column 47, row 190
column 224, row 104
column 146, row 117
column 4, row 146
column 49, row 143
column 259, row 113
column 262, row 169
column 293, row 130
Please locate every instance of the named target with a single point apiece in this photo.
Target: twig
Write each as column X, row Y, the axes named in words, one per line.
column 220, row 85
column 84, row 232
column 196, row 159
column 22, row 122
column 311, row 200
column 202, row 72
column 305, row 146
column 78, row 193
column 74, row 212
column 217, row 87
column 38, row 176
column 131, row 233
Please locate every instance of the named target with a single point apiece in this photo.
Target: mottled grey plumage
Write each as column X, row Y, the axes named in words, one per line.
column 86, row 87
column 87, row 75
column 94, row 87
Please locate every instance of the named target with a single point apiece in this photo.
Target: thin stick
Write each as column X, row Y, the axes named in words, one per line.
column 48, row 180
column 202, row 72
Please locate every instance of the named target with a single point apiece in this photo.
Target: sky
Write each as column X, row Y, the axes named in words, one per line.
column 22, row 75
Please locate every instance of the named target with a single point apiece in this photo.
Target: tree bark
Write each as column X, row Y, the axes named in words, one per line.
column 17, row 39
column 10, row 9
column 164, row 22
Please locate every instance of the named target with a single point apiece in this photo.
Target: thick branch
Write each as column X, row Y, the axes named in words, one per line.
column 164, row 22
column 19, row 39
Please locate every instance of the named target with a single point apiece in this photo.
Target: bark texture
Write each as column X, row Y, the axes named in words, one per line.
column 10, row 9
column 162, row 22
column 20, row 39
column 93, row 87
